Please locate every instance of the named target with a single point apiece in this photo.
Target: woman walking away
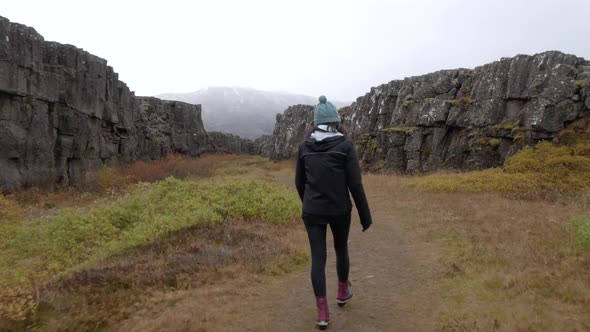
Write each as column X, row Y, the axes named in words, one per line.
column 327, row 169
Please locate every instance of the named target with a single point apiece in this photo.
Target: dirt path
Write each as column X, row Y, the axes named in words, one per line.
column 392, row 274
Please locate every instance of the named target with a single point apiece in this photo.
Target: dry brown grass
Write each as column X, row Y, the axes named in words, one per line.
column 117, row 179
column 511, row 265
column 9, row 208
column 174, row 165
column 33, row 202
column 201, row 256
column 543, row 171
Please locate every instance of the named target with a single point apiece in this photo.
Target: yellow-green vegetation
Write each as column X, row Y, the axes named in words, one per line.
column 516, row 131
column 583, row 229
column 512, row 126
column 462, row 102
column 36, row 252
column 108, row 179
column 408, row 102
column 581, row 83
column 402, row 130
column 369, row 141
column 492, row 142
column 532, row 172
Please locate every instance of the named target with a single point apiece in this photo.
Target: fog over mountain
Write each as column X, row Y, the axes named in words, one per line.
column 247, row 112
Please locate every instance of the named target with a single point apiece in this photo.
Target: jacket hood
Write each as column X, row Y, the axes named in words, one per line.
column 325, row 144
column 322, row 132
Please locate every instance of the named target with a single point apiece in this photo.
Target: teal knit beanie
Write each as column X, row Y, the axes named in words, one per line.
column 325, row 112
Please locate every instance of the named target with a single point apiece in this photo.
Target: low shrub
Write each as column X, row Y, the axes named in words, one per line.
column 174, row 165
column 532, row 172
column 250, row 200
column 108, row 179
column 154, row 170
column 37, row 252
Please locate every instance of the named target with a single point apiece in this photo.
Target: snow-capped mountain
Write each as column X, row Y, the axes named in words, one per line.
column 247, row 112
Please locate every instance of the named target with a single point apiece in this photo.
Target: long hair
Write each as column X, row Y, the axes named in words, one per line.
column 332, row 128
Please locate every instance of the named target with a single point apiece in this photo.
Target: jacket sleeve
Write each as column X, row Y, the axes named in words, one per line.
column 300, row 177
column 355, row 186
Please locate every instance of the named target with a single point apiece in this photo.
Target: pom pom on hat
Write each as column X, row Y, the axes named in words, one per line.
column 323, row 99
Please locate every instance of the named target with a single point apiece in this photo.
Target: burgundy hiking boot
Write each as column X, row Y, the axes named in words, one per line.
column 344, row 292
column 323, row 313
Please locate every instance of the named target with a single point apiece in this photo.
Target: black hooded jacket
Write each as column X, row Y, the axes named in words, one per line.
column 326, row 171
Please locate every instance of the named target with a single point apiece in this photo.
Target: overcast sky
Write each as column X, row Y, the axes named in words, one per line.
column 335, row 47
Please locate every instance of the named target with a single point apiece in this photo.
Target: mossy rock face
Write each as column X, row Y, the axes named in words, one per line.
column 512, row 126
column 401, row 130
column 371, row 144
column 463, row 102
column 429, row 122
column 407, row 103
column 466, row 89
column 490, row 141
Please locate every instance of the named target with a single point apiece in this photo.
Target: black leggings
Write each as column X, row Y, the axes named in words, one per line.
column 316, row 231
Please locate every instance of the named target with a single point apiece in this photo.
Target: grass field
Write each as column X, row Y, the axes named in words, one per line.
column 44, row 249
column 517, row 239
column 514, row 243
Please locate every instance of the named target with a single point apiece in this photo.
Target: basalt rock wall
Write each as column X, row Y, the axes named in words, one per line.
column 289, row 130
column 469, row 119
column 64, row 113
column 263, row 145
column 229, row 143
column 459, row 119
